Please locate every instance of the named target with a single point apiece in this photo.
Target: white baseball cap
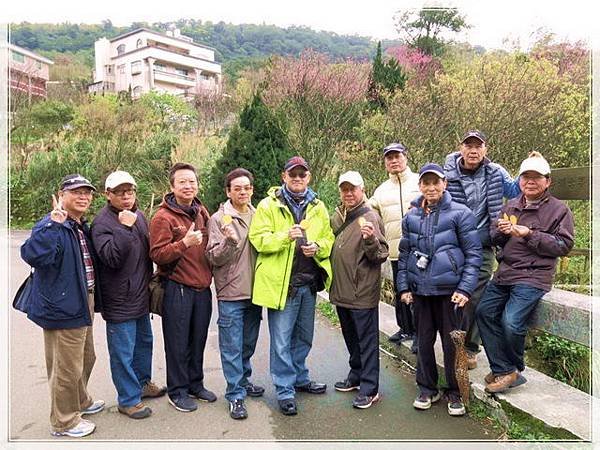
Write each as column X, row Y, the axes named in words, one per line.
column 535, row 162
column 117, row 178
column 351, row 177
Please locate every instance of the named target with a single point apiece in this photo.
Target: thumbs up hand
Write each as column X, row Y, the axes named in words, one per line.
column 192, row 237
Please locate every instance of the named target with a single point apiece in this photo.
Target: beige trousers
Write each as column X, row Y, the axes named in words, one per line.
column 70, row 358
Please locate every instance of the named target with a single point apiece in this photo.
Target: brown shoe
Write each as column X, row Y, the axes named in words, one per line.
column 139, row 411
column 502, row 383
column 471, row 361
column 489, row 378
column 152, row 390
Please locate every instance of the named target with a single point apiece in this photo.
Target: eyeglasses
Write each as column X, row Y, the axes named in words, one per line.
column 298, row 174
column 533, row 177
column 122, row 192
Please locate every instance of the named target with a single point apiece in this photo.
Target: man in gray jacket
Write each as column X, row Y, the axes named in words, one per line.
column 358, row 252
column 233, row 258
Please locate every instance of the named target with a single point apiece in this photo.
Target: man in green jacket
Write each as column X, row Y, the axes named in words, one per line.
column 292, row 236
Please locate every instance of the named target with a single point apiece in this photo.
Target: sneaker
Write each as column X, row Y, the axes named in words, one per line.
column 397, row 337
column 288, row 407
column 365, row 401
column 424, row 401
column 94, row 408
column 345, row 386
column 252, row 390
column 139, row 411
column 471, row 361
column 502, row 383
column 456, row 408
column 312, row 388
column 152, row 390
column 414, row 348
column 184, row 404
column 237, row 409
column 83, row 428
column 203, row 394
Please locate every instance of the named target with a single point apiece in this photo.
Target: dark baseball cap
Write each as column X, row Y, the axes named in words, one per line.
column 394, row 147
column 75, row 181
column 476, row 134
column 432, row 168
column 295, row 161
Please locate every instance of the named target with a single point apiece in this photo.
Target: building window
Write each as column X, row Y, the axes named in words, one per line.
column 139, row 43
column 136, row 67
column 159, row 66
column 121, row 49
column 109, row 70
column 182, row 72
column 18, row 57
column 121, row 69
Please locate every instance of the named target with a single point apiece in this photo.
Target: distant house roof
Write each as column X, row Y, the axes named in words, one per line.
column 121, row 36
column 29, row 53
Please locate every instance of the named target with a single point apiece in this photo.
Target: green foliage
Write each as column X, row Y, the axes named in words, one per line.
column 328, row 310
column 256, row 143
column 562, row 359
column 171, row 112
column 384, row 80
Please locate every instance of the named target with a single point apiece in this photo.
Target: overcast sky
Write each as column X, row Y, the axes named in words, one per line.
column 492, row 21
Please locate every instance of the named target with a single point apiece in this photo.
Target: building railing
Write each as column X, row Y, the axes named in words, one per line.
column 174, row 74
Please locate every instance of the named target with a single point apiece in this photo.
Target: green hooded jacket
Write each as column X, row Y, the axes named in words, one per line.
column 269, row 235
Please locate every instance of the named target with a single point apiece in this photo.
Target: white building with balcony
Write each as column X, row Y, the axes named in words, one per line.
column 144, row 60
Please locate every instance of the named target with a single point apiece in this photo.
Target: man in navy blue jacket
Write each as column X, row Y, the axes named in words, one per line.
column 63, row 300
column 120, row 236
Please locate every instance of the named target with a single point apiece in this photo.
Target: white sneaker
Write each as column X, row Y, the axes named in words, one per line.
column 94, row 408
column 83, row 428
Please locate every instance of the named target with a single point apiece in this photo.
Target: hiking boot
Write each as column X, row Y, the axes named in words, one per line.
column 183, row 404
column 83, row 428
column 94, row 408
column 139, row 411
column 237, row 409
column 312, row 388
column 203, row 394
column 502, row 383
column 424, row 401
column 288, row 407
column 346, row 386
column 456, row 408
column 252, row 390
column 152, row 390
column 365, row 401
column 489, row 378
column 471, row 360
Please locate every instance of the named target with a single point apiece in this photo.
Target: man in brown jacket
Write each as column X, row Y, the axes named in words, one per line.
column 356, row 258
column 233, row 258
column 177, row 245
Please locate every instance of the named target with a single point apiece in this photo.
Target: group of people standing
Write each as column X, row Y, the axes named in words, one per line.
column 438, row 228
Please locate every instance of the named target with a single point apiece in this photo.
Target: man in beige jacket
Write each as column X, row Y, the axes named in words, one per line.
column 391, row 200
column 232, row 259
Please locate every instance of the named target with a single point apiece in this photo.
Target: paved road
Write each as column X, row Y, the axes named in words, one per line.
column 325, row 417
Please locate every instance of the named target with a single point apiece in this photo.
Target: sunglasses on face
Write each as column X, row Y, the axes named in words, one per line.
column 298, row 174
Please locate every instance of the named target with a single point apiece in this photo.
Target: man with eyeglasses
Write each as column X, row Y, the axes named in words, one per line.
column 532, row 231
column 480, row 184
column 291, row 233
column 120, row 237
column 64, row 297
column 178, row 236
column 392, row 201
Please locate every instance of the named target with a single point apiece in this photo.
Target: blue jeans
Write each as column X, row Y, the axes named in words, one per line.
column 291, row 331
column 502, row 317
column 239, row 323
column 130, row 351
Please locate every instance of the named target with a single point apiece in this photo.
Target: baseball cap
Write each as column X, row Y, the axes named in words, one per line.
column 295, row 161
column 394, row 147
column 352, row 177
column 535, row 162
column 476, row 134
column 118, row 177
column 74, row 181
column 432, row 168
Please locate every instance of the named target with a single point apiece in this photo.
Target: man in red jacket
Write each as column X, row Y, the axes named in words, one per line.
column 178, row 236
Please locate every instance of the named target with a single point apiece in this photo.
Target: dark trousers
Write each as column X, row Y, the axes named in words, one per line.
column 435, row 314
column 404, row 312
column 469, row 324
column 185, row 320
column 360, row 328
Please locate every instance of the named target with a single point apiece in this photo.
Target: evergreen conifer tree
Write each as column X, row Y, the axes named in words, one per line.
column 256, row 143
column 384, row 80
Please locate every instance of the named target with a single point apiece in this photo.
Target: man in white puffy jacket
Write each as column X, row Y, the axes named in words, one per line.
column 392, row 199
